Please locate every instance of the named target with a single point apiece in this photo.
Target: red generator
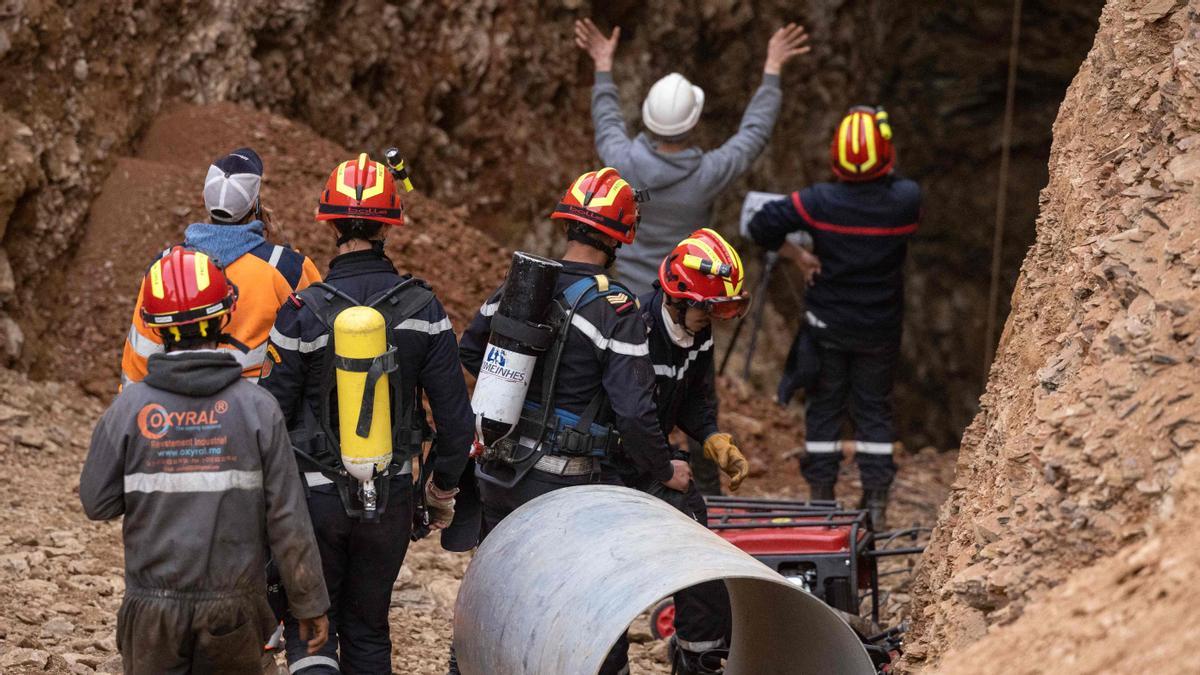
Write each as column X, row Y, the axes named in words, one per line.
column 828, row 551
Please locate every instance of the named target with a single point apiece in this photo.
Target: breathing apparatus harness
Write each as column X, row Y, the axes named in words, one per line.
column 316, row 444
column 555, row 431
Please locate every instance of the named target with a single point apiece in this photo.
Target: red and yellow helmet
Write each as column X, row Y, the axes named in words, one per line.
column 183, row 287
column 604, row 201
column 862, row 147
column 361, row 188
column 704, row 270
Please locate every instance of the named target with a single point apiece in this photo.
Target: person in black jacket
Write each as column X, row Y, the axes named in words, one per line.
column 700, row 280
column 362, row 559
column 604, row 366
column 846, row 353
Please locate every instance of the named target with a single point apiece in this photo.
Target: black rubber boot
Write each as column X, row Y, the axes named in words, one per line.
column 820, row 493
column 684, row 662
column 875, row 500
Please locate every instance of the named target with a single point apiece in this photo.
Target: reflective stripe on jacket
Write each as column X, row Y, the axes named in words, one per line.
column 206, row 481
column 606, row 349
column 265, row 277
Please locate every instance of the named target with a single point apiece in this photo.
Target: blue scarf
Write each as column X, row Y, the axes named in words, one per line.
column 226, row 243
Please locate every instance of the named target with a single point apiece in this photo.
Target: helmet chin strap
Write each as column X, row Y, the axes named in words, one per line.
column 610, row 252
column 677, row 329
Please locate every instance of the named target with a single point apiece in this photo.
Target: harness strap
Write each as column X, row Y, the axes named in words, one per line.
column 573, row 296
column 584, row 425
column 375, row 368
column 576, row 296
column 538, row 336
column 326, row 302
column 227, row 339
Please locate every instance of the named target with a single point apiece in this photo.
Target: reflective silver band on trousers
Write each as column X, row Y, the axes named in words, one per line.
column 565, row 466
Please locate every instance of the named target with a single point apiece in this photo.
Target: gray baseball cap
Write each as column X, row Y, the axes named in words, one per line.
column 232, row 185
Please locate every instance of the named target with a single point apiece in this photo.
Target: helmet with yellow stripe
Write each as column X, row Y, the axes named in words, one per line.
column 183, row 293
column 862, row 146
column 603, row 201
column 361, row 189
column 705, row 271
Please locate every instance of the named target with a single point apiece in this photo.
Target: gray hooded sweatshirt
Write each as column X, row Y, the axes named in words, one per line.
column 683, row 185
column 199, row 462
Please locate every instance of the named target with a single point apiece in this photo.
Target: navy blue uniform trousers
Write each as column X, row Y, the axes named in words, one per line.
column 361, row 561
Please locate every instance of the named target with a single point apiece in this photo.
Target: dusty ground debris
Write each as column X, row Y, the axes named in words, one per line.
column 65, row 573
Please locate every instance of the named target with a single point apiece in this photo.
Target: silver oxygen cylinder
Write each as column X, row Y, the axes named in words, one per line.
column 512, row 350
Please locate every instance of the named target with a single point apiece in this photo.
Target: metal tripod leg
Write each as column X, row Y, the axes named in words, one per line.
column 760, row 307
column 764, row 283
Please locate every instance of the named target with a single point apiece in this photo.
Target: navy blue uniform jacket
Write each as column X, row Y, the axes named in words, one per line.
column 606, row 348
column 425, row 346
column 860, row 233
column 686, row 395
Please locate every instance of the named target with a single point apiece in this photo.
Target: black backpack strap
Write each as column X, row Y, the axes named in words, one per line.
column 561, row 320
column 591, row 412
column 227, row 339
column 325, row 302
column 398, row 304
column 403, row 300
column 575, row 297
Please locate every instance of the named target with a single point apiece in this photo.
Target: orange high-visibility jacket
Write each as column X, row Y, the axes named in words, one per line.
column 264, row 277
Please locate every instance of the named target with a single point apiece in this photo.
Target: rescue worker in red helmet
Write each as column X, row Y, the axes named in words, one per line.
column 701, row 280
column 197, row 524
column 846, row 352
column 236, row 236
column 604, row 382
column 362, row 549
column 665, row 159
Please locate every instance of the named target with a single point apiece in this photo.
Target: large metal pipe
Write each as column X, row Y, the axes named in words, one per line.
column 553, row 587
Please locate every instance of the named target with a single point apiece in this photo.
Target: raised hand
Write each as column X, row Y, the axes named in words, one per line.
column 600, row 48
column 787, row 42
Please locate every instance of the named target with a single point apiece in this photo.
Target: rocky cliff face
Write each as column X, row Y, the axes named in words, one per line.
column 1091, row 409
column 489, row 100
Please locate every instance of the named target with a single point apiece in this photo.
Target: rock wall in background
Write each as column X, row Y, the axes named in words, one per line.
column 1076, row 470
column 489, row 100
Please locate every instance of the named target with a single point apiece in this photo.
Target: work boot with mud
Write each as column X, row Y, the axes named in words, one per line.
column 684, row 662
column 820, row 493
column 875, row 500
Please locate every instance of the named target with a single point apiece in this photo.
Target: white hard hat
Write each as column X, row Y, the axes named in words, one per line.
column 673, row 106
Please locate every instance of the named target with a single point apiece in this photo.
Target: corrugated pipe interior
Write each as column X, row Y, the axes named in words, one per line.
column 554, row 585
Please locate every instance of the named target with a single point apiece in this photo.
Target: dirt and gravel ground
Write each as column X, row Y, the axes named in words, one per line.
column 64, row 574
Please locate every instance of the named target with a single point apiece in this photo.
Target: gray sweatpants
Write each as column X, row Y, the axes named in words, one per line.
column 164, row 632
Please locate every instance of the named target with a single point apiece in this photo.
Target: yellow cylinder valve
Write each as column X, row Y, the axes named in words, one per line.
column 360, row 340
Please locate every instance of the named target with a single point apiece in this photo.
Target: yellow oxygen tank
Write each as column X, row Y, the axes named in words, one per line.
column 360, row 335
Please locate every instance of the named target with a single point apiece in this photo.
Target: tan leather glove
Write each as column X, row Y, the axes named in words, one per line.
column 440, row 504
column 720, row 449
